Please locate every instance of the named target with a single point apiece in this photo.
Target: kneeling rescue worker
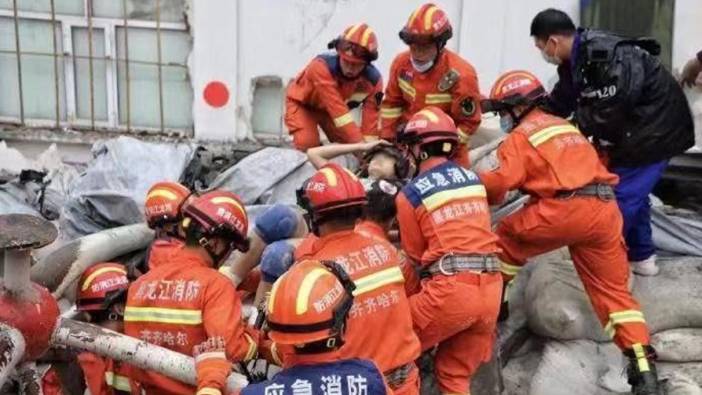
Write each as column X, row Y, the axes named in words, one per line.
column 572, row 204
column 445, row 228
column 186, row 301
column 331, row 85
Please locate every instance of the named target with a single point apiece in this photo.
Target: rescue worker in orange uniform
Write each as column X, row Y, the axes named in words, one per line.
column 101, row 295
column 162, row 210
column 445, row 228
column 431, row 75
column 333, row 84
column 186, row 301
column 572, row 204
column 334, row 199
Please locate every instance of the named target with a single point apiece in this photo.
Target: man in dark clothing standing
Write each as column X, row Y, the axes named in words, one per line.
column 628, row 103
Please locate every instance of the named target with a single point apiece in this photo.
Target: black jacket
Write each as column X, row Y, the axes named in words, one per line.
column 624, row 98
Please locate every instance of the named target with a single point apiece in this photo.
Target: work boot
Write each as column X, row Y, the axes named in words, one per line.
column 641, row 371
column 646, row 267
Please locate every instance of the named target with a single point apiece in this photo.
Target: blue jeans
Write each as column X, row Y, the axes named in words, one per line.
column 635, row 184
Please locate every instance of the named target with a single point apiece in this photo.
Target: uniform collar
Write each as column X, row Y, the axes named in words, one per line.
column 371, row 227
column 182, row 255
column 431, row 163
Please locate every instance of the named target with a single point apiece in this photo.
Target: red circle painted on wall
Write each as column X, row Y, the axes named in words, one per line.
column 216, row 94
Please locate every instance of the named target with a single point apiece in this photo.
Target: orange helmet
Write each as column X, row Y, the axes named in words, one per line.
column 163, row 203
column 310, row 303
column 514, row 88
column 427, row 126
column 218, row 214
column 358, row 43
column 332, row 187
column 100, row 286
column 427, row 24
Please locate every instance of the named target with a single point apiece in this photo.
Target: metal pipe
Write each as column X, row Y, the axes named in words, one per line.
column 56, row 77
column 106, row 343
column 11, row 351
column 126, row 64
column 160, row 67
column 19, row 61
column 89, row 10
column 17, row 268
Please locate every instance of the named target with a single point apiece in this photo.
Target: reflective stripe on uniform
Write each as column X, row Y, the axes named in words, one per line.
column 439, row 199
column 163, row 315
column 406, row 87
column 510, row 270
column 437, row 98
column 343, row 120
column 117, row 382
column 376, row 280
column 358, row 97
column 208, row 391
column 546, row 134
column 390, row 112
column 253, row 348
column 641, row 359
column 210, row 355
column 623, row 317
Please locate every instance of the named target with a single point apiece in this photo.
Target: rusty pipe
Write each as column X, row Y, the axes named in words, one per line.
column 11, row 351
column 106, row 343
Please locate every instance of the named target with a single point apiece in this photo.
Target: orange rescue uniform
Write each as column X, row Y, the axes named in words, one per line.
column 180, row 305
column 379, row 325
column 451, row 85
column 544, row 156
column 160, row 250
column 443, row 211
column 321, row 96
column 104, row 376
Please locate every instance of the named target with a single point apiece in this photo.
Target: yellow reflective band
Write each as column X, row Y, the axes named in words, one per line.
column 210, row 355
column 303, row 294
column 352, row 31
column 162, row 315
column 463, row 137
column 432, row 117
column 343, row 120
column 253, row 348
column 406, row 87
column 377, row 280
column 274, row 353
column 117, row 382
column 544, row 135
column 413, row 16
column 641, row 357
column 428, row 15
column 329, row 175
column 623, row 317
column 274, row 291
column 365, row 37
column 224, row 199
column 390, row 112
column 358, row 97
column 437, row 98
column 439, row 199
column 162, row 193
column 208, row 391
column 510, row 270
column 91, row 277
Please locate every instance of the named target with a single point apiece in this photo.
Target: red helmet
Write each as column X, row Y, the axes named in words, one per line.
column 218, row 214
column 163, row 203
column 358, row 43
column 427, row 126
column 310, row 303
column 333, row 187
column 514, row 88
column 427, row 24
column 100, row 286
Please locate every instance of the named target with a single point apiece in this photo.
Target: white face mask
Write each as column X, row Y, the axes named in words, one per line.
column 551, row 59
column 421, row 67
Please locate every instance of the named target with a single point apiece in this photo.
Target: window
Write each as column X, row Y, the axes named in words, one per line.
column 97, row 64
column 653, row 18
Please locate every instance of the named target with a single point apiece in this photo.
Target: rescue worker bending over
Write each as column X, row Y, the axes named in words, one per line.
column 429, row 74
column 335, row 200
column 162, row 210
column 185, row 301
column 331, row 85
column 445, row 228
column 380, row 159
column 101, row 295
column 572, row 204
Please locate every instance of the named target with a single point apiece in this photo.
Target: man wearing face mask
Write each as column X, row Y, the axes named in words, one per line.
column 333, row 84
column 431, row 75
column 629, row 105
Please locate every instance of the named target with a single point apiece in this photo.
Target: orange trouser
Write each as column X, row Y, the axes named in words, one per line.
column 459, row 313
column 592, row 230
column 302, row 124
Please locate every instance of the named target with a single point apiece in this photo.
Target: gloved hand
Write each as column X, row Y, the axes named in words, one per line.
column 212, row 366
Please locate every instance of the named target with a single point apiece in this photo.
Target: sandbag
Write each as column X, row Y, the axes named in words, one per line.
column 678, row 345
